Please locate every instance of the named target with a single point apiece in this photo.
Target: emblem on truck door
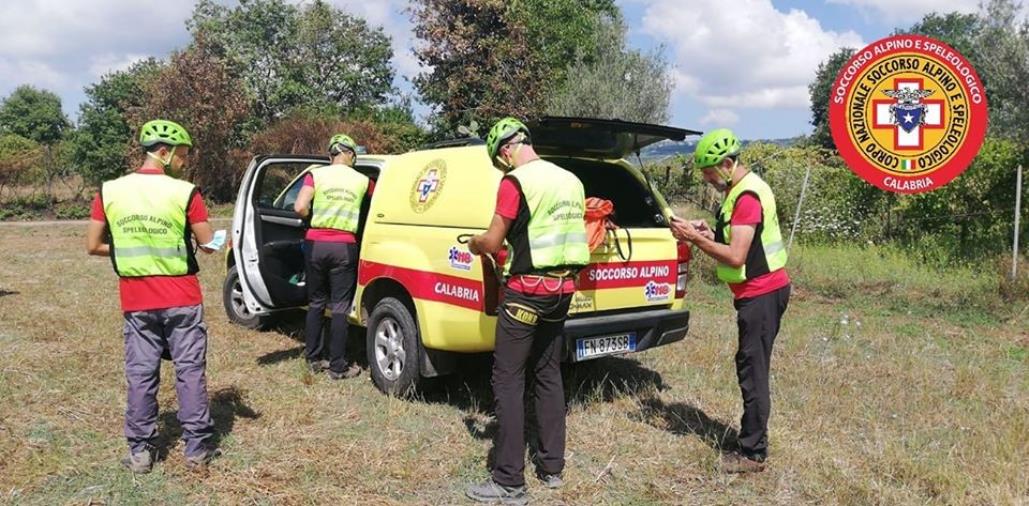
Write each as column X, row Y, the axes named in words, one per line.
column 428, row 185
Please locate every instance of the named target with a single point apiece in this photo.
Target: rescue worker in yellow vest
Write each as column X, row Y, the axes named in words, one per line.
column 332, row 197
column 748, row 247
column 151, row 216
column 539, row 211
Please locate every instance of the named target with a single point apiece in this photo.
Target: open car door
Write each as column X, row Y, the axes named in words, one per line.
column 270, row 234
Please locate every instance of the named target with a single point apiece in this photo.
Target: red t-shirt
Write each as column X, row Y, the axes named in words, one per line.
column 331, row 234
column 149, row 293
column 509, row 198
column 748, row 212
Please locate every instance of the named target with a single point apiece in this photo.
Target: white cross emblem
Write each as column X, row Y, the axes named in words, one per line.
column 907, row 127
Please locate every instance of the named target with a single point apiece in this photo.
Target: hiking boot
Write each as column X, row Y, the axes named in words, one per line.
column 492, row 492
column 352, row 371
column 139, row 462
column 199, row 461
column 551, row 481
column 317, row 366
column 737, row 463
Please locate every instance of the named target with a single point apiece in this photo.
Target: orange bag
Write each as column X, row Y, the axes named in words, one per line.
column 598, row 221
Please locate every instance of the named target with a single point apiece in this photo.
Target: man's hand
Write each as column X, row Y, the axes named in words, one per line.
column 691, row 231
column 491, row 241
column 204, row 233
column 684, row 230
column 473, row 245
column 704, row 230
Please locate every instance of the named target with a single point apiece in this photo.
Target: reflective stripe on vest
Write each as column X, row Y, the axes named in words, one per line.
column 146, row 215
column 556, row 231
column 338, row 193
column 772, row 256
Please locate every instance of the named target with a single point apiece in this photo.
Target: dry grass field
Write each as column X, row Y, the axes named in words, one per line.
column 892, row 384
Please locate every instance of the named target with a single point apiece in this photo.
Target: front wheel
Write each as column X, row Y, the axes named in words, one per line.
column 393, row 347
column 235, row 307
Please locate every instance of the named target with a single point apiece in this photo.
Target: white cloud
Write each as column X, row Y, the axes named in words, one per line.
column 720, row 118
column 63, row 46
column 909, row 11
column 58, row 28
column 37, row 73
column 111, row 62
column 743, row 53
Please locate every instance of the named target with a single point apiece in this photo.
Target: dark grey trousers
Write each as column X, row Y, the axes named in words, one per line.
column 528, row 339
column 147, row 333
column 758, row 320
column 331, row 280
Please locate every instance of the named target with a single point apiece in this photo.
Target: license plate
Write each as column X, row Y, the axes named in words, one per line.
column 592, row 347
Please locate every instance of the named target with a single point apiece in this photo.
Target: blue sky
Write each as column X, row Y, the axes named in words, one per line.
column 744, row 64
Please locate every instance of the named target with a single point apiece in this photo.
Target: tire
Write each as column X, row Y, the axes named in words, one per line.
column 392, row 342
column 235, row 307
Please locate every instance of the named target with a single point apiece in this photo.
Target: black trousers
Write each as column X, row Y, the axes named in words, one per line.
column 331, row 274
column 528, row 337
column 758, row 320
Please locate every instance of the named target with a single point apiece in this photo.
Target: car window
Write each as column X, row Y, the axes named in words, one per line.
column 289, row 197
column 279, row 185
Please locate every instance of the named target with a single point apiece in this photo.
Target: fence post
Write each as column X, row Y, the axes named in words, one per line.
column 1018, row 214
column 800, row 202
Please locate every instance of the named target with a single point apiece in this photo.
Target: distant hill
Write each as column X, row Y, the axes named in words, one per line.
column 668, row 149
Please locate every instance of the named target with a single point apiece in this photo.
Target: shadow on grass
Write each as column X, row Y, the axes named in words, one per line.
column 281, row 355
column 601, row 380
column 291, row 324
column 587, row 383
column 684, row 419
column 4, row 292
column 227, row 404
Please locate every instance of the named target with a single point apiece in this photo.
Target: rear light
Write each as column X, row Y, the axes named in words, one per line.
column 683, row 255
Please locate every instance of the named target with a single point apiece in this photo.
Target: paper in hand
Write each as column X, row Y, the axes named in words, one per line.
column 217, row 242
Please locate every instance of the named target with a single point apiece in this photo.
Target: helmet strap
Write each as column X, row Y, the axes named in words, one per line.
column 166, row 163
column 519, row 141
column 727, row 176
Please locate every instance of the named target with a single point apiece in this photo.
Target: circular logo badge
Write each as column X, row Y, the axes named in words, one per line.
column 428, row 185
column 908, row 113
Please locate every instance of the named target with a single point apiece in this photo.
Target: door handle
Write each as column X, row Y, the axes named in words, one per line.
column 279, row 220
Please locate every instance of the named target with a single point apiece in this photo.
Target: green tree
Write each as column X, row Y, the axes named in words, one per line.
column 620, row 83
column 1003, row 46
column 819, row 91
column 103, row 139
column 18, row 155
column 492, row 58
column 288, row 56
column 958, row 30
column 562, row 31
column 345, row 61
column 36, row 114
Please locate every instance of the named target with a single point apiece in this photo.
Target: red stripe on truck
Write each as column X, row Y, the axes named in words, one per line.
column 466, row 293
